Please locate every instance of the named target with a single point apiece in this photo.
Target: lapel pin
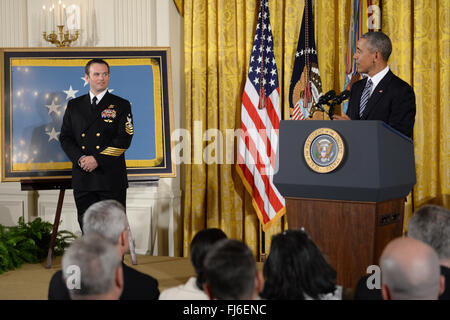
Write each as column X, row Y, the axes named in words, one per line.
column 381, row 91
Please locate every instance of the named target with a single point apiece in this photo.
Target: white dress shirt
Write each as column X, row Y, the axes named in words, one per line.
column 187, row 291
column 377, row 78
column 99, row 96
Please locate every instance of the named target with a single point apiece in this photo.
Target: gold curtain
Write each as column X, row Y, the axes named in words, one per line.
column 218, row 37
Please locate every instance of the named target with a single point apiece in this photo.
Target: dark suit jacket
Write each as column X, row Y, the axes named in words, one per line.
column 445, row 271
column 393, row 101
column 104, row 133
column 137, row 286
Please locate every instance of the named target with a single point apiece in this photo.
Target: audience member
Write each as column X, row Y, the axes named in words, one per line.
column 431, row 224
column 362, row 291
column 193, row 288
column 94, row 269
column 108, row 219
column 410, row 271
column 296, row 270
column 231, row 273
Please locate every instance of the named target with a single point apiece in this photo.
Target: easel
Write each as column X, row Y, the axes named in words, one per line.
column 61, row 185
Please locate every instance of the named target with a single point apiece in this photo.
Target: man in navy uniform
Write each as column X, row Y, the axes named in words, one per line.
column 97, row 129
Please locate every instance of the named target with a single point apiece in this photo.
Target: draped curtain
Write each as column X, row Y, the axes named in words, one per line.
column 218, row 38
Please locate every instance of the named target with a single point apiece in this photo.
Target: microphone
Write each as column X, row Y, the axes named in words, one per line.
column 341, row 97
column 326, row 97
column 344, row 95
column 337, row 100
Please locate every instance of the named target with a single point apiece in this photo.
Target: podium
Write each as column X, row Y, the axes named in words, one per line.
column 355, row 209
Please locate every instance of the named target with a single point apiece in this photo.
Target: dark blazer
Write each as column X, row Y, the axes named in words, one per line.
column 137, row 286
column 393, row 101
column 445, row 271
column 105, row 133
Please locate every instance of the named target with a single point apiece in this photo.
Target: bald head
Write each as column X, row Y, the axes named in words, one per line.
column 410, row 270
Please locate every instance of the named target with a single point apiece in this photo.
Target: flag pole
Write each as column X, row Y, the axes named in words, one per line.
column 260, row 117
column 262, row 244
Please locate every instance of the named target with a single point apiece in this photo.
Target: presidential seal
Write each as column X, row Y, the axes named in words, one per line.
column 324, row 150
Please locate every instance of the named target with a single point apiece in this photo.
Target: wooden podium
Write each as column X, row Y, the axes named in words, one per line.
column 350, row 234
column 352, row 212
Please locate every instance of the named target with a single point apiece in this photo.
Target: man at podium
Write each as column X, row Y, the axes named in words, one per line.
column 381, row 95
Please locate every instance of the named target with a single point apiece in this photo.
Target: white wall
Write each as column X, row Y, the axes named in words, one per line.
column 154, row 212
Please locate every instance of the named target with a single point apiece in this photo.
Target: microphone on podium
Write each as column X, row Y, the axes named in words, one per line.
column 326, row 97
column 337, row 100
column 341, row 97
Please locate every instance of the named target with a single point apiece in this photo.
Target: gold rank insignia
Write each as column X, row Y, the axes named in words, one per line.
column 129, row 125
column 112, row 151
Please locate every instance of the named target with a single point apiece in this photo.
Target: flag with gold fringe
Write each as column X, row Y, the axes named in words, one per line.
column 260, row 118
column 306, row 86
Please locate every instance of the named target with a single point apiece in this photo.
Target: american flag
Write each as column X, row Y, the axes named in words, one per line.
column 260, row 118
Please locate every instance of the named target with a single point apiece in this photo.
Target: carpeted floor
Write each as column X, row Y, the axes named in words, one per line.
column 30, row 282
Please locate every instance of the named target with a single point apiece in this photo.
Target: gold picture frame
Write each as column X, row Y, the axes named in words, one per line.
column 33, row 101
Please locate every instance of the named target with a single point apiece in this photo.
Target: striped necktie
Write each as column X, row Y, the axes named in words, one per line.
column 365, row 97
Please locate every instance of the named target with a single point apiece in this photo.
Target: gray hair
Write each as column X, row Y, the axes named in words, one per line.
column 431, row 224
column 107, row 218
column 379, row 41
column 97, row 260
column 411, row 276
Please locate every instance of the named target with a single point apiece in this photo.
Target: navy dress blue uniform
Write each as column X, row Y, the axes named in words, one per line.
column 105, row 132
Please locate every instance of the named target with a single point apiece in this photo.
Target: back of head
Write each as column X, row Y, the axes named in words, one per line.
column 106, row 218
column 96, row 261
column 230, row 270
column 379, row 41
column 200, row 245
column 410, row 270
column 431, row 224
column 295, row 267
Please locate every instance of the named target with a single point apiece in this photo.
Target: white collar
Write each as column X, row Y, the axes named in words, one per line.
column 377, row 78
column 99, row 96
